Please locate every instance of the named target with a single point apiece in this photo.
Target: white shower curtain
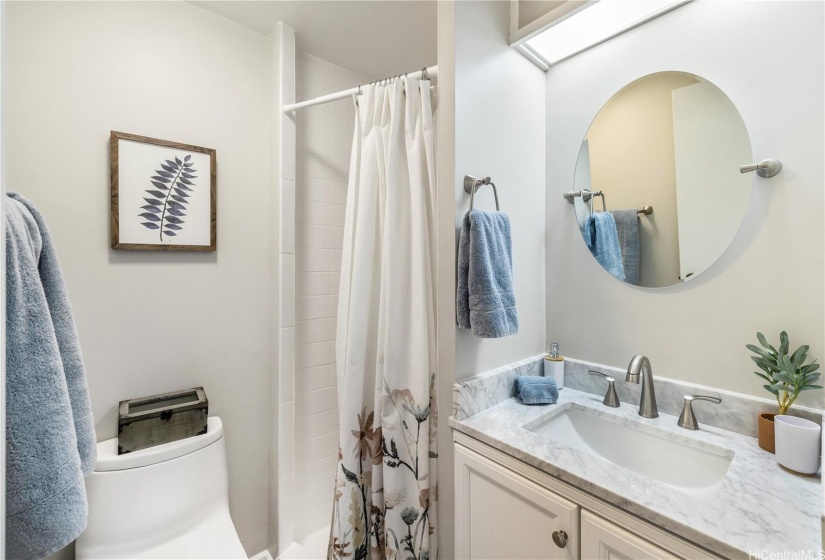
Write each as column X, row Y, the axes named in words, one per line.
column 385, row 495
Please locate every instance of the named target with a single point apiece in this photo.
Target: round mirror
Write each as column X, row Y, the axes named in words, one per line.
column 657, row 189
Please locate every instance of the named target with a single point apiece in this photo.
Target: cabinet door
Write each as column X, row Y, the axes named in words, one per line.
column 603, row 540
column 501, row 515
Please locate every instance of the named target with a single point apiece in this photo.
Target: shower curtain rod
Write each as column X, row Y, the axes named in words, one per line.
column 432, row 71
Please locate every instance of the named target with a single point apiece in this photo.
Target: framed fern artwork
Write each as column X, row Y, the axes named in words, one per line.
column 163, row 195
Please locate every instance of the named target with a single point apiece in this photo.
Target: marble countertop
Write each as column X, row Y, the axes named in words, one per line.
column 758, row 507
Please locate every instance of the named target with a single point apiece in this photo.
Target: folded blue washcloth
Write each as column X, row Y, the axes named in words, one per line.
column 533, row 389
column 602, row 239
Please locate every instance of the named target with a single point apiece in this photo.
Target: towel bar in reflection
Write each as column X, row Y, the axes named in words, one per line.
column 586, row 196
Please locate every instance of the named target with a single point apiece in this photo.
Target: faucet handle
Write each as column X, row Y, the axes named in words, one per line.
column 611, row 399
column 687, row 419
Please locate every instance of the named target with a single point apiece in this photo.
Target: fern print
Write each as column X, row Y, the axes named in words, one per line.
column 164, row 208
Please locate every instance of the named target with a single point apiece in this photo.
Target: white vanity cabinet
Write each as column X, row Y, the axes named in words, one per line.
column 506, row 509
column 500, row 514
column 603, row 540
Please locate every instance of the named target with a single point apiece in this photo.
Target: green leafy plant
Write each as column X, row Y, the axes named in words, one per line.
column 787, row 374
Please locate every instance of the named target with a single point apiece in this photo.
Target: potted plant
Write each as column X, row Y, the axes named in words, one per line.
column 786, row 374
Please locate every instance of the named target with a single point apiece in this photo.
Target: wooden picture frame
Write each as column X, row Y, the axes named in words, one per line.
column 162, row 182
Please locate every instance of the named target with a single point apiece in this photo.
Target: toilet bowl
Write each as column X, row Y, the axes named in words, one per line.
column 168, row 501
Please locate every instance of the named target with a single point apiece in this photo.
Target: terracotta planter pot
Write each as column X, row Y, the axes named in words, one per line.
column 765, row 432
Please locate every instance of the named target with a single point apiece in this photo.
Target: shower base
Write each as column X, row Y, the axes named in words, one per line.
column 313, row 547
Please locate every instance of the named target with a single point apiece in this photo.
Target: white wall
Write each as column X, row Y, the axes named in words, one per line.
column 151, row 322
column 445, row 269
column 490, row 122
column 710, row 140
column 281, row 291
column 499, row 132
column 771, row 277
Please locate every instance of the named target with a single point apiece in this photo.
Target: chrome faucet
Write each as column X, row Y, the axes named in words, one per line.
column 640, row 365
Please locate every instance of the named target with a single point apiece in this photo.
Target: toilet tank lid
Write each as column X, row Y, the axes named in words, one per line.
column 109, row 460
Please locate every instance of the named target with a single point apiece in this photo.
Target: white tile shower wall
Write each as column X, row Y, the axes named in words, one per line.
column 323, row 145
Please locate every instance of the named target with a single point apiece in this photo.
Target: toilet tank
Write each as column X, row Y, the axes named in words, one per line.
column 147, row 497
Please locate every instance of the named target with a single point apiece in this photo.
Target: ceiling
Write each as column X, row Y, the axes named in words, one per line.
column 372, row 38
column 531, row 10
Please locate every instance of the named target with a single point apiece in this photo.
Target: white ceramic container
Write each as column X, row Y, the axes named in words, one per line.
column 798, row 444
column 555, row 368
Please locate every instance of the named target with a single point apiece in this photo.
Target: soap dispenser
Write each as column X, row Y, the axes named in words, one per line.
column 554, row 365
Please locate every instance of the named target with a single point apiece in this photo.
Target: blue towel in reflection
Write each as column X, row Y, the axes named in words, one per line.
column 627, row 228
column 602, row 239
column 534, row 389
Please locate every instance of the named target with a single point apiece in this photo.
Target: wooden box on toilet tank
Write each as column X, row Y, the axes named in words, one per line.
column 158, row 419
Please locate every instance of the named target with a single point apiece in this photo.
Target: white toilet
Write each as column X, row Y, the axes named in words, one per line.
column 168, row 501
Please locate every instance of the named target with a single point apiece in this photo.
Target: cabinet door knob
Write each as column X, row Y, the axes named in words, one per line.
column 560, row 538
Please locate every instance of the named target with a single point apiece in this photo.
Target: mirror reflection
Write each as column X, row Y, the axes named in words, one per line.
column 657, row 190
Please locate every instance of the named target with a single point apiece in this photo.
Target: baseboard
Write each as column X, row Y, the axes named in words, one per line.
column 263, row 555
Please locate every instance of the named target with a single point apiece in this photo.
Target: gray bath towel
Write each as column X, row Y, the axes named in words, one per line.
column 485, row 301
column 603, row 241
column 50, row 435
column 627, row 226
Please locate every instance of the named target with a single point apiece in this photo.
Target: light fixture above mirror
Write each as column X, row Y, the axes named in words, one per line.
column 575, row 26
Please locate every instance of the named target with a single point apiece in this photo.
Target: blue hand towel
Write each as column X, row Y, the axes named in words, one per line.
column 50, row 438
column 485, row 301
column 533, row 389
column 603, row 241
column 627, row 228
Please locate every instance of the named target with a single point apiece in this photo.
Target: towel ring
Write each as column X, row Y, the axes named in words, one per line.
column 471, row 185
column 594, row 195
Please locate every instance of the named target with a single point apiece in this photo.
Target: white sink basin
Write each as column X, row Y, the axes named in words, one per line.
column 650, row 452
